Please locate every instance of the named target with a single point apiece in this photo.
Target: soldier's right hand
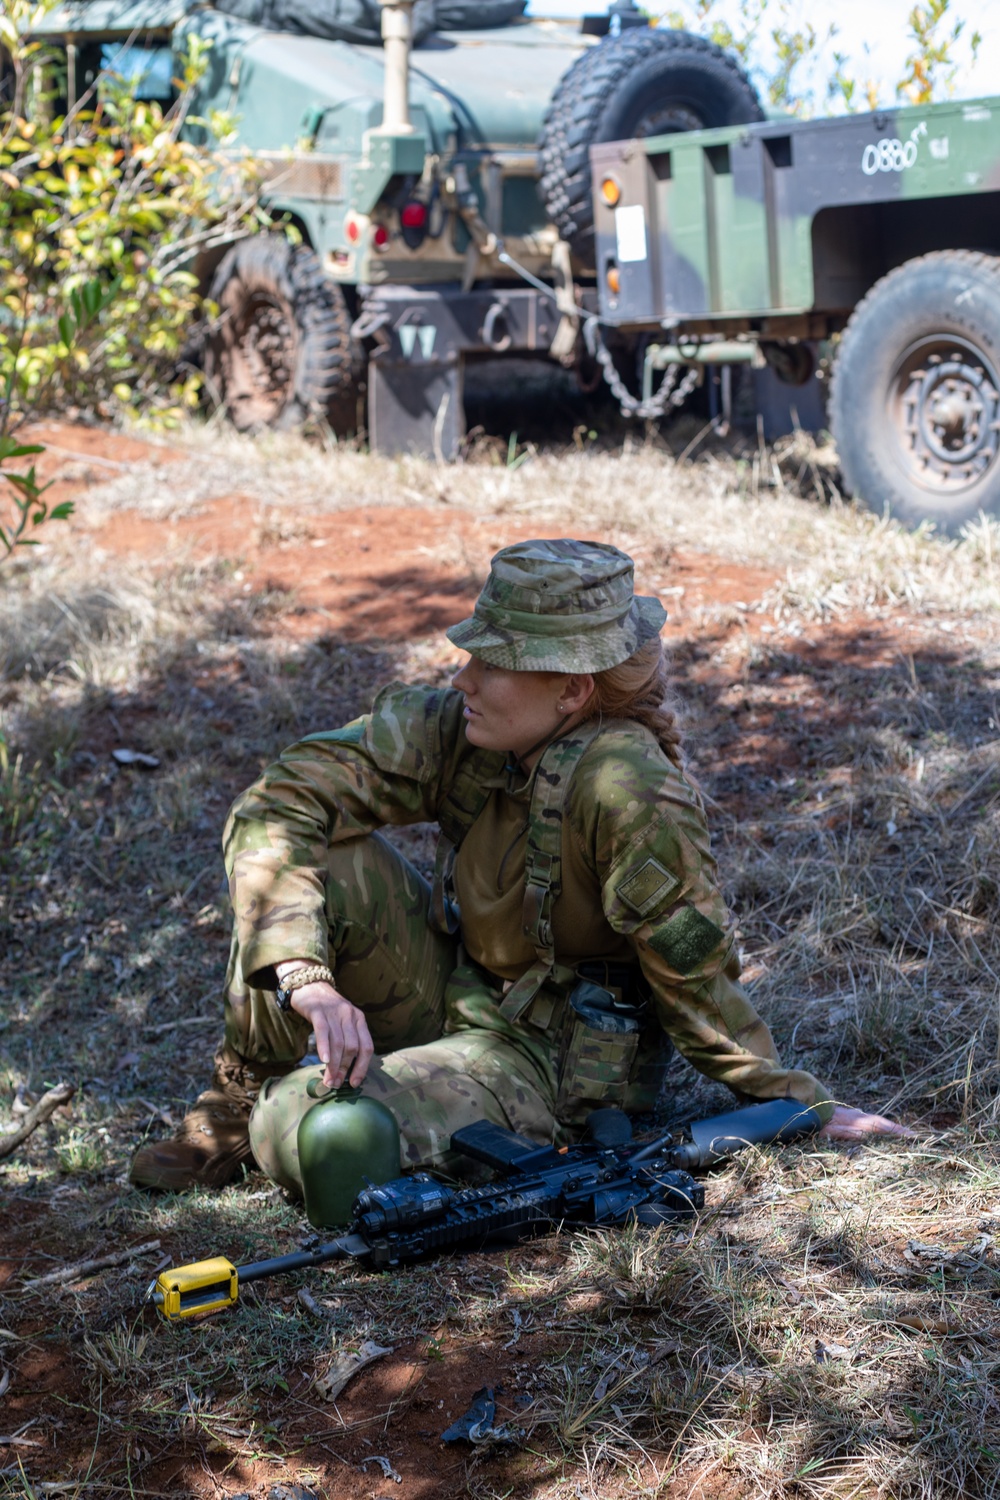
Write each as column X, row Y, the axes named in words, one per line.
column 343, row 1040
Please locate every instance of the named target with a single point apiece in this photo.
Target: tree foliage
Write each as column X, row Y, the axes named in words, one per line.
column 931, row 66
column 799, row 67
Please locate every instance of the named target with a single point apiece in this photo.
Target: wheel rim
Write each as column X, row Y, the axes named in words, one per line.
column 944, row 404
column 260, row 363
column 669, row 119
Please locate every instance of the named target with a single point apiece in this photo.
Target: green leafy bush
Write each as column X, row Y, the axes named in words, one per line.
column 104, row 211
column 799, row 68
column 107, row 197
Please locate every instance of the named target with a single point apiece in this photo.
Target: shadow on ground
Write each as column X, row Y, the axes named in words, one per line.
column 853, row 792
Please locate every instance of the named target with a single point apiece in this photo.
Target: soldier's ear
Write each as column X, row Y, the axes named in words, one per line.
column 577, row 692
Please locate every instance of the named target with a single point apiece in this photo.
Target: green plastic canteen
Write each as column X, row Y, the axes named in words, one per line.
column 345, row 1141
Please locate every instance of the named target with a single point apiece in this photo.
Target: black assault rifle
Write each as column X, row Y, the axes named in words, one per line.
column 604, row 1180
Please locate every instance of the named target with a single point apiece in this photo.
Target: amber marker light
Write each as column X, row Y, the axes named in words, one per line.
column 613, row 280
column 610, row 192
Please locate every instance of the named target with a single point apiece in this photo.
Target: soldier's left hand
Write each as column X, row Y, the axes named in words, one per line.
column 848, row 1124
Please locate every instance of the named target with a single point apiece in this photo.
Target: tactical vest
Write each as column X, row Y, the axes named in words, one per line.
column 466, row 799
column 615, row 1055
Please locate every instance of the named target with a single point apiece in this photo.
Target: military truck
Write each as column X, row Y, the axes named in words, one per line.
column 416, row 149
column 468, row 183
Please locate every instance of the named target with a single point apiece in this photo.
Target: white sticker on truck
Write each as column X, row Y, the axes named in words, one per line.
column 630, row 230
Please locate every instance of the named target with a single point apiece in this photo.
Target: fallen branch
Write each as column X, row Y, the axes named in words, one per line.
column 15, row 1440
column 47, row 1105
column 84, row 1267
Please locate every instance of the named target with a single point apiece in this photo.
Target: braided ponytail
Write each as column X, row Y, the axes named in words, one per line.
column 638, row 689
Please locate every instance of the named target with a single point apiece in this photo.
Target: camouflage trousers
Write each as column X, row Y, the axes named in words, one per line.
column 446, row 1055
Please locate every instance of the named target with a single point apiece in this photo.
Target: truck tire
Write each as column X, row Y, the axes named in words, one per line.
column 281, row 350
column 915, row 394
column 643, row 82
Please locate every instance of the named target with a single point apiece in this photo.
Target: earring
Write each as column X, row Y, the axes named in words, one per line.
column 561, row 707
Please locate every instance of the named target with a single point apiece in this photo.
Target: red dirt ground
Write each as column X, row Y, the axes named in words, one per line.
column 377, row 574
column 356, row 572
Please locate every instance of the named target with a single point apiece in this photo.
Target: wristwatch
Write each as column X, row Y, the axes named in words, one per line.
column 296, row 980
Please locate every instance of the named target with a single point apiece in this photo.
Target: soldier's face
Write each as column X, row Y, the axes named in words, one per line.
column 511, row 710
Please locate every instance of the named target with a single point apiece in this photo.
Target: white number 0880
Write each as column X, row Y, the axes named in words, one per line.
column 888, row 155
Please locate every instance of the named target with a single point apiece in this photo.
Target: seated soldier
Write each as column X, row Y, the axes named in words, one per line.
column 574, row 928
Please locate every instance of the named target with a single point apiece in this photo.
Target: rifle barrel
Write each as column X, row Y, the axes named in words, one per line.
column 341, row 1249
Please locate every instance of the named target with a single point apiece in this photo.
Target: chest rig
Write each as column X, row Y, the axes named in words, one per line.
column 466, row 799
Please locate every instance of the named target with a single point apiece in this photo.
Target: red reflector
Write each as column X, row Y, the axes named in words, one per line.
column 380, row 237
column 352, row 229
column 413, row 216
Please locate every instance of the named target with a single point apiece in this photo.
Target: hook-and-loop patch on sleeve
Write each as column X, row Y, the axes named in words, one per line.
column 648, row 888
column 686, row 939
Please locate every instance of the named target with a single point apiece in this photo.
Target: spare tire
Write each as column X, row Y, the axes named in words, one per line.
column 643, row 82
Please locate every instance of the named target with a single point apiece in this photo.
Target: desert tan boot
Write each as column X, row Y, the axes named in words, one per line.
column 212, row 1142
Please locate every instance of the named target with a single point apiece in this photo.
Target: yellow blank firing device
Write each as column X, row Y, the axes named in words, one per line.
column 206, row 1286
column 210, row 1285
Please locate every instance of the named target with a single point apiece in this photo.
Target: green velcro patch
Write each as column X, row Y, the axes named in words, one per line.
column 648, row 887
column 350, row 734
column 686, row 940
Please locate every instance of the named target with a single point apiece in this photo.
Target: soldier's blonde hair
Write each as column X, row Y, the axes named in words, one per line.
column 638, row 689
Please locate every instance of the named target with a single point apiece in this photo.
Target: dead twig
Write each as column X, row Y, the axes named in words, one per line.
column 692, row 445
column 47, row 1105
column 15, row 1440
column 84, row 1267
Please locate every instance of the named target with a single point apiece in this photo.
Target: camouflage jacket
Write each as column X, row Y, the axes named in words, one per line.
column 639, row 879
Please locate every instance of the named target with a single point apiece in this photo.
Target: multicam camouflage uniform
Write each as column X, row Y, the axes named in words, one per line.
column 590, row 923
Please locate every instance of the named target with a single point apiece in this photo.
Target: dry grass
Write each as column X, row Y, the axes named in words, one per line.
column 719, row 504
column 830, row 1329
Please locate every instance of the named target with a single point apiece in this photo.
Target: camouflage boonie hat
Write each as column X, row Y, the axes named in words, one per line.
column 559, row 606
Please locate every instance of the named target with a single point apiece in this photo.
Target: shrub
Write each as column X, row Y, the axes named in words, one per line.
column 103, row 211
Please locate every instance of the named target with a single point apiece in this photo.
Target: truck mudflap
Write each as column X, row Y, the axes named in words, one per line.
column 419, row 339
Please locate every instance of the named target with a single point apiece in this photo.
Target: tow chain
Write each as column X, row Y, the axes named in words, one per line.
column 670, row 394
